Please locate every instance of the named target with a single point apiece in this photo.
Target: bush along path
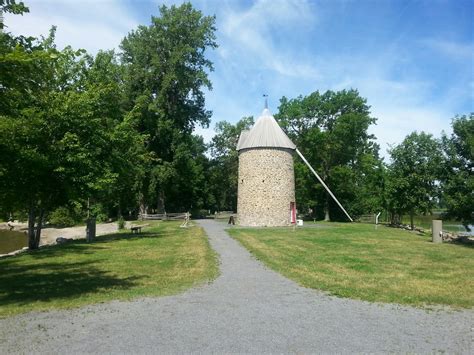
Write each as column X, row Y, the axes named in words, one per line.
column 248, row 308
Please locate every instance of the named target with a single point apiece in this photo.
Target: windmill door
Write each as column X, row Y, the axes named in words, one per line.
column 292, row 212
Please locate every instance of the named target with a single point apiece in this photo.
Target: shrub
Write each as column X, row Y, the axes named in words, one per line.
column 98, row 211
column 199, row 213
column 121, row 223
column 62, row 217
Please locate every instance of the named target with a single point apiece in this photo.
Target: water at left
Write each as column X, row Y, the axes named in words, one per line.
column 12, row 240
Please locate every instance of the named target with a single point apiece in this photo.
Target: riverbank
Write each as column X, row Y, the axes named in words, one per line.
column 50, row 234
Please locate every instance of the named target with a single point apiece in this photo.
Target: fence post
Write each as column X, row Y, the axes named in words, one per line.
column 377, row 218
column 437, row 230
column 90, row 229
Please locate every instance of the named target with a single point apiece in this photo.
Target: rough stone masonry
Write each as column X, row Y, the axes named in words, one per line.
column 266, row 186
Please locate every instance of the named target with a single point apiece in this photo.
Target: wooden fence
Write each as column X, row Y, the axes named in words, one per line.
column 224, row 214
column 165, row 216
column 366, row 218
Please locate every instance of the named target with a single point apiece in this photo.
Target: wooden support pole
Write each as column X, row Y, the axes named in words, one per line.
column 324, row 185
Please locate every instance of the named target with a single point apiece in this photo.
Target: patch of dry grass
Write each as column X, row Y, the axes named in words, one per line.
column 359, row 261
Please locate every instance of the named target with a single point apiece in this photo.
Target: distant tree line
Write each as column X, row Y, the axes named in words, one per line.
column 111, row 135
column 331, row 130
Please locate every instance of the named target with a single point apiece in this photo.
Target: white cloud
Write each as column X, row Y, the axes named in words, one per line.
column 395, row 123
column 260, row 34
column 401, row 107
column 205, row 133
column 402, row 103
column 91, row 25
column 451, row 49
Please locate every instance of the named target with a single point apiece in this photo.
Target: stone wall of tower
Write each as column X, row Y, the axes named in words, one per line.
column 266, row 186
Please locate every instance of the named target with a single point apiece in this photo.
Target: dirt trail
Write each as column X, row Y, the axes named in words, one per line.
column 49, row 235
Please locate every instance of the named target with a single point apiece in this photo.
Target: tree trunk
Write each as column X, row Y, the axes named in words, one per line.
column 34, row 234
column 327, row 217
column 39, row 228
column 160, row 205
column 143, row 207
column 31, row 227
column 91, row 229
column 412, row 225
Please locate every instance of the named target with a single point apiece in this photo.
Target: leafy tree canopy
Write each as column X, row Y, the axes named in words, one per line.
column 331, row 130
column 458, row 167
column 412, row 179
column 165, row 73
column 223, row 169
column 58, row 129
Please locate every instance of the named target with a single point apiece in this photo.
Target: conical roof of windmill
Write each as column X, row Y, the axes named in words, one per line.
column 265, row 133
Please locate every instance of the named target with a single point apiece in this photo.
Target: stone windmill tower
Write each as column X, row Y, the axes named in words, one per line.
column 266, row 189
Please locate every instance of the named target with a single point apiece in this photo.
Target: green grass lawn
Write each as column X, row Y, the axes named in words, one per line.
column 359, row 261
column 164, row 259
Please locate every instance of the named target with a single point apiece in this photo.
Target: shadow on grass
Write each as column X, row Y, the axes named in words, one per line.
column 67, row 271
column 125, row 236
column 56, row 274
column 456, row 243
column 51, row 251
column 463, row 244
column 135, row 237
column 83, row 247
column 48, row 281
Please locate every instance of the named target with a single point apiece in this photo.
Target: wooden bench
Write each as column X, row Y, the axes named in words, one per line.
column 136, row 229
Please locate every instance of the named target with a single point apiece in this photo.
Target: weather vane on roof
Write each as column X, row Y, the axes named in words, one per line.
column 266, row 100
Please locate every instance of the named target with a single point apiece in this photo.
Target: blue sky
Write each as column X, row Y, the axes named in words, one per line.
column 412, row 60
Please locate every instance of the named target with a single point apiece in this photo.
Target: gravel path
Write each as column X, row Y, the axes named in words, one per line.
column 248, row 309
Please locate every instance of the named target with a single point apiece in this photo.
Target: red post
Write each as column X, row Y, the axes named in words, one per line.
column 293, row 212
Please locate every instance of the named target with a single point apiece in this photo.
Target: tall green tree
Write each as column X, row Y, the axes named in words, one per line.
column 166, row 72
column 59, row 128
column 331, row 130
column 27, row 176
column 458, row 170
column 223, row 170
column 413, row 175
column 126, row 154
